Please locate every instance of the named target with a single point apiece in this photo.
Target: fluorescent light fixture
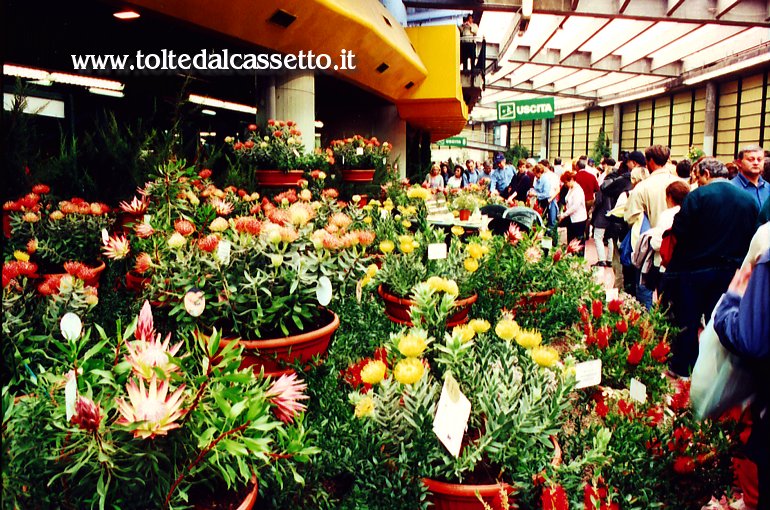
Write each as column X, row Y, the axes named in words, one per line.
column 25, row 72
column 526, row 8
column 36, row 105
column 318, row 124
column 570, row 110
column 126, row 15
column 728, row 69
column 42, row 83
column 66, row 78
column 205, row 134
column 105, row 92
column 206, row 111
column 632, row 97
column 218, row 103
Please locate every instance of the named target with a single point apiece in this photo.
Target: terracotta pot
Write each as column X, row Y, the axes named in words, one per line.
column 358, row 175
column 465, row 215
column 279, row 178
column 247, row 503
column 397, row 309
column 135, row 282
column 451, row 496
column 273, row 354
column 535, row 300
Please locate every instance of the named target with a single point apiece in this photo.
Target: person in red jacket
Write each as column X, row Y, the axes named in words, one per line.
column 586, row 180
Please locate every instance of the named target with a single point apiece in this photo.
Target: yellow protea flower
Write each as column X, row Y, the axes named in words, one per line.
column 366, row 280
column 387, row 246
column 485, row 250
column 56, row 215
column 219, row 224
column 176, row 240
column 485, row 235
column 365, row 407
column 475, row 250
column 507, row 329
column 436, row 283
column 408, row 370
column 373, row 372
column 471, row 265
column 544, row 356
column 479, row 325
column 529, row 339
column 371, row 270
column 407, row 247
column 411, row 345
column 465, row 333
column 21, row 256
column 458, row 230
column 368, row 220
column 450, row 287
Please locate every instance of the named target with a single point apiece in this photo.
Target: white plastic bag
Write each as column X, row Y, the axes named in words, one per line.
column 720, row 380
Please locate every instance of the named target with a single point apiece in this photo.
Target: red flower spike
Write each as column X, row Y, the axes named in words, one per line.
column 621, row 326
column 554, row 498
column 635, row 354
column 597, row 308
column 615, row 305
column 660, row 352
column 684, row 465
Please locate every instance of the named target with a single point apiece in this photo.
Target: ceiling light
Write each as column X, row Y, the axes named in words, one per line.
column 105, row 92
column 728, row 69
column 631, row 97
column 24, row 72
column 218, row 103
column 68, row 79
column 318, row 124
column 526, row 8
column 44, row 83
column 206, row 134
column 206, row 111
column 126, row 15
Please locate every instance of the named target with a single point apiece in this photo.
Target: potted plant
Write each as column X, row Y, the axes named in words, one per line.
column 276, row 154
column 358, row 157
column 465, row 202
column 145, row 420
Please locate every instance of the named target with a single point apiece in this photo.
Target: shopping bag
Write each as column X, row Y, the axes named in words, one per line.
column 720, row 380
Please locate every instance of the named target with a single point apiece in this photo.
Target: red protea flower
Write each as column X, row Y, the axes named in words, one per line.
column 277, row 133
column 603, row 337
column 32, row 246
column 514, row 235
column 205, row 173
column 626, row 408
column 621, row 326
column 635, row 354
column 285, row 394
column 615, row 305
column 237, row 146
column 29, row 201
column 655, row 415
column 330, row 193
column 684, row 465
column 597, row 308
column 365, row 237
column 660, row 352
column 184, row 227
column 248, row 225
column 557, row 255
column 554, row 498
column 222, row 207
column 248, row 144
column 208, row 243
column 340, row 220
column 143, row 263
column 41, row 189
column 88, row 415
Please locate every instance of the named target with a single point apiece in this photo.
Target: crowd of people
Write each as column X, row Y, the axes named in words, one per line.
column 691, row 237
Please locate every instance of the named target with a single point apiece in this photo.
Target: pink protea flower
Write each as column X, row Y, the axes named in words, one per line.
column 278, row 216
column 365, row 237
column 88, row 415
column 533, row 254
column 574, row 246
column 143, row 263
column 332, row 242
column 222, row 207
column 341, row 220
column 116, row 247
column 330, row 193
column 136, row 206
column 285, row 394
column 143, row 230
column 147, row 355
column 514, row 234
column 145, row 328
column 151, row 411
column 184, row 227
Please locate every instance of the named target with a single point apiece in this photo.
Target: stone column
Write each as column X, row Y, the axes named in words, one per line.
column 711, row 119
column 617, row 118
column 545, row 131
column 270, row 110
column 295, row 100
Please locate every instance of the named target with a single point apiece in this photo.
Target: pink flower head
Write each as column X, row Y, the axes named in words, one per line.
column 145, row 329
column 147, row 356
column 184, row 227
column 143, row 263
column 514, row 234
column 116, row 247
column 88, row 415
column 285, row 394
column 222, row 207
column 136, row 206
column 574, row 246
column 151, row 411
column 143, row 230
column 533, row 254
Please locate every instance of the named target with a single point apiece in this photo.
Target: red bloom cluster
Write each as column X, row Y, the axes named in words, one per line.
column 80, row 206
column 635, row 354
column 184, row 227
column 29, row 202
column 289, row 195
column 205, row 173
column 554, row 498
column 681, row 441
column 15, row 268
column 248, row 225
column 208, row 243
column 660, row 352
column 80, row 270
column 684, row 465
column 681, row 397
column 595, row 498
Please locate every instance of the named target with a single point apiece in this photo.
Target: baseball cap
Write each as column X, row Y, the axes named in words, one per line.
column 499, row 157
column 637, row 157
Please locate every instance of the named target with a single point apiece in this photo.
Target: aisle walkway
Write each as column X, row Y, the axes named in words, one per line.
column 603, row 275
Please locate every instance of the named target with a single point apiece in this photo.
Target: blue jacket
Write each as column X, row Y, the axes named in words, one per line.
column 760, row 193
column 743, row 324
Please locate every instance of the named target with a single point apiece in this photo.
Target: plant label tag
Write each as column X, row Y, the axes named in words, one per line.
column 223, row 251
column 296, row 153
column 194, row 302
column 452, row 415
column 611, row 294
column 70, row 396
column 638, row 391
column 323, row 291
column 359, row 151
column 546, row 243
column 105, row 236
column 147, row 218
column 384, row 213
column 437, row 251
column 588, row 373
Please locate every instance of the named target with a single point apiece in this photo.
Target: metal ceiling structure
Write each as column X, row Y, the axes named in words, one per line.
column 597, row 52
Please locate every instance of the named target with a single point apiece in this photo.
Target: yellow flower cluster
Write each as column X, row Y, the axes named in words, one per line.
column 464, row 333
column 387, row 246
column 479, row 325
column 412, row 345
column 407, row 244
column 408, row 370
column 485, row 235
column 365, row 407
column 507, row 329
column 528, row 339
column 371, row 271
column 439, row 284
column 471, row 265
column 544, row 356
column 458, row 230
column 21, row 256
column 373, row 372
column 419, row 192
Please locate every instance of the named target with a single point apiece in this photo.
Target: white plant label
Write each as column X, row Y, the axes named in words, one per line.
column 323, row 291
column 546, row 243
column 70, row 396
column 359, row 151
column 452, row 415
column 195, row 302
column 437, row 251
column 588, row 373
column 611, row 294
column 638, row 391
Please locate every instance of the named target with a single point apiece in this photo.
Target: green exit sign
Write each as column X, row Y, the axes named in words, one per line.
column 454, row 141
column 526, row 109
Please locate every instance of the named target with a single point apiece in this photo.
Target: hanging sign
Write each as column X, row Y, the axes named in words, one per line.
column 526, row 109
